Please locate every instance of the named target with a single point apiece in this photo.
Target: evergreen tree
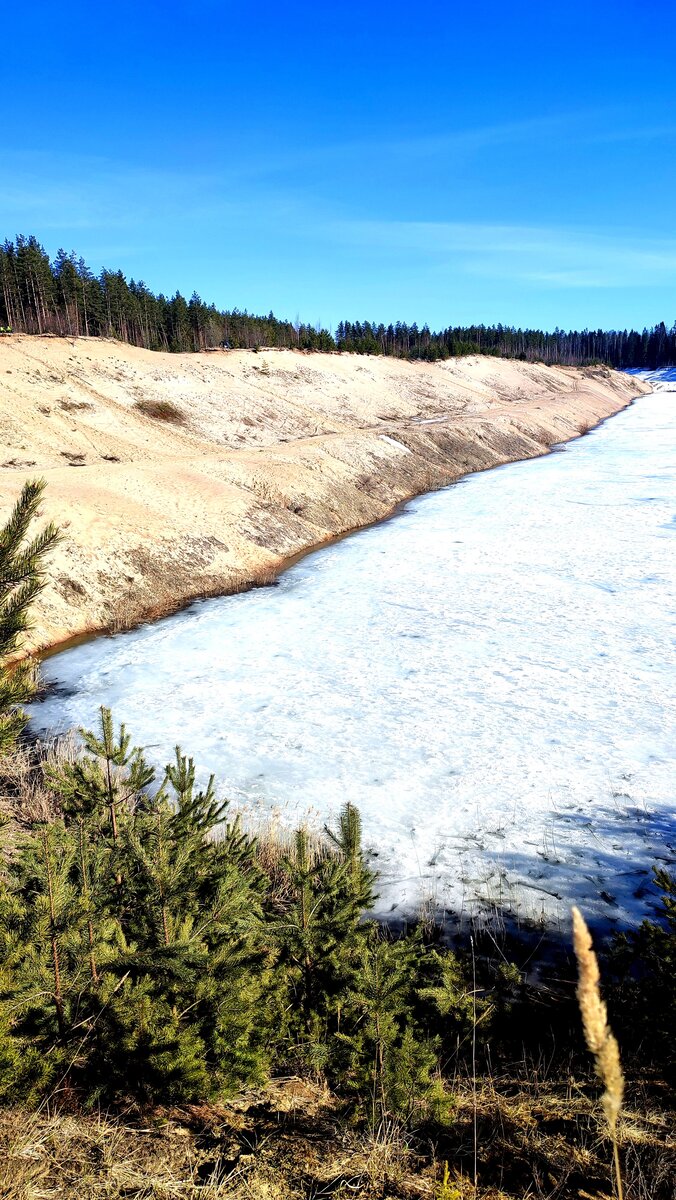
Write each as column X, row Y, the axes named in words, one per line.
column 644, row 962
column 318, row 929
column 190, row 962
column 105, row 782
column 21, row 580
column 347, row 840
column 44, row 949
column 385, row 1056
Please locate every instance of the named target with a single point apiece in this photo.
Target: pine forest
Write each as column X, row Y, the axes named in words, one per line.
column 64, row 297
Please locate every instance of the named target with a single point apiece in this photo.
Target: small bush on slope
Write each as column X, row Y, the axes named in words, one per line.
column 161, row 410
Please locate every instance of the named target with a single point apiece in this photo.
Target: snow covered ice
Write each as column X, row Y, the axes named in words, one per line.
column 489, row 676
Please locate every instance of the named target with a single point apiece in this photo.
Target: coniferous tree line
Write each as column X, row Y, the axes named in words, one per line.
column 622, row 349
column 66, row 298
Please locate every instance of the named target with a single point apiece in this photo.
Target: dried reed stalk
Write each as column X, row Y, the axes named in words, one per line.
column 598, row 1034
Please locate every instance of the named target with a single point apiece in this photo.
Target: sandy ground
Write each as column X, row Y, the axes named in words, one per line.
column 267, row 455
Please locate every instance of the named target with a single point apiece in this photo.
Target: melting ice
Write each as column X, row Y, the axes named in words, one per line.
column 489, row 676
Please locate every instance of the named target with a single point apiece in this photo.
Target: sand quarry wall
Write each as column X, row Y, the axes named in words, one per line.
column 180, row 476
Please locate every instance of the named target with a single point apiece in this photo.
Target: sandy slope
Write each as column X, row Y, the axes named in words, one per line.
column 276, row 452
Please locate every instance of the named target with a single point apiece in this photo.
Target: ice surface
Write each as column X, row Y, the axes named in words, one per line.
column 489, row 676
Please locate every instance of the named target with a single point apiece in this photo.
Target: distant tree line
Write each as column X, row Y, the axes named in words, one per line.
column 65, row 297
column 619, row 348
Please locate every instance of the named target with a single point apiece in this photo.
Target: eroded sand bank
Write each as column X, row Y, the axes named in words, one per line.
column 264, row 456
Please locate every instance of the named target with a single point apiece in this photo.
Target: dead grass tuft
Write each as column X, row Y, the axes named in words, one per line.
column 292, row 1140
column 74, row 405
column 25, row 796
column 598, row 1034
column 161, row 410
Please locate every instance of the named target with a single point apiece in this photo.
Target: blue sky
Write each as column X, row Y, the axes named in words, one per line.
column 442, row 163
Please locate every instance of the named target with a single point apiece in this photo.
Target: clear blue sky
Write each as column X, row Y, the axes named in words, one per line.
column 440, row 162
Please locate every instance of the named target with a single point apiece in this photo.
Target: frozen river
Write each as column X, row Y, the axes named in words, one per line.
column 490, row 676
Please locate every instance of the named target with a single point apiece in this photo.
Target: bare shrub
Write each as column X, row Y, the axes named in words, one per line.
column 74, row 405
column 25, row 794
column 161, row 410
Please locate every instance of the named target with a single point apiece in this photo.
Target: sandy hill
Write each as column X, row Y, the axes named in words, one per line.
column 176, row 476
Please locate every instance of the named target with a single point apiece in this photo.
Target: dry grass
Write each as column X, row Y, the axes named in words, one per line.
column 294, row 1151
column 95, row 1158
column 155, row 600
column 25, row 796
column 538, row 1134
column 538, row 1140
column 126, row 615
column 599, row 1037
column 161, row 410
column 74, row 405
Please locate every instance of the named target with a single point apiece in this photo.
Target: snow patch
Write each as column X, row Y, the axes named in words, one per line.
column 384, row 437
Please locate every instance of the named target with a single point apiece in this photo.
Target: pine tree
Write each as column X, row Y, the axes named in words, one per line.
column 318, row 929
column 21, row 581
column 92, row 877
column 44, row 948
column 384, row 1055
column 347, row 839
column 644, row 962
column 191, row 961
column 105, row 782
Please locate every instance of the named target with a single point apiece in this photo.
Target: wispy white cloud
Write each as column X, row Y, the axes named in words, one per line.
column 578, row 127
column 83, row 192
column 122, row 209
column 568, row 258
column 238, row 165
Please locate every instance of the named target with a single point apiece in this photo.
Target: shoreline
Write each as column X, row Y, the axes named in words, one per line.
column 271, row 578
column 525, row 547
column 266, row 458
